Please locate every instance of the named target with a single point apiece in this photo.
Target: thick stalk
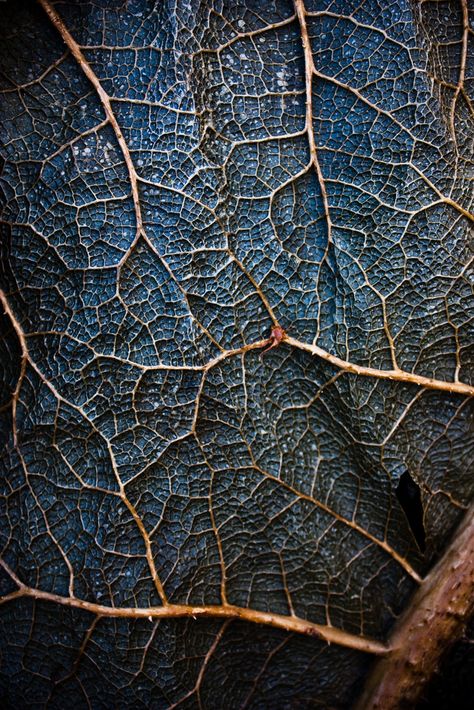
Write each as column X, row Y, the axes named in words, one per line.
column 435, row 619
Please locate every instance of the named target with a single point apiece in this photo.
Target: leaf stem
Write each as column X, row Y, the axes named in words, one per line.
column 435, row 619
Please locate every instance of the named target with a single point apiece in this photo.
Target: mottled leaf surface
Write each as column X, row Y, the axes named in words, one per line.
column 179, row 178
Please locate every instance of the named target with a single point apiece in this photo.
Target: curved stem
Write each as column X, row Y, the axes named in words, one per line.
column 434, row 620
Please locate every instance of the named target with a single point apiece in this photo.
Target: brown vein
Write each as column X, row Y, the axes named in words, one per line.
column 122, row 494
column 261, row 672
column 197, row 687
column 344, row 365
column 134, row 179
column 462, row 68
column 47, row 525
column 24, row 361
column 105, row 100
column 310, row 72
column 295, row 624
column 394, row 374
column 215, row 528
column 447, row 200
column 299, row 495
column 81, row 652
column 148, row 551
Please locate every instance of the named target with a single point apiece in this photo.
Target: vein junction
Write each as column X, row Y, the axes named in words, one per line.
column 289, row 622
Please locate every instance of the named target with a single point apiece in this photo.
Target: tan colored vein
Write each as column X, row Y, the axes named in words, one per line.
column 122, row 494
column 105, row 100
column 38, row 79
column 132, row 173
column 47, row 525
column 148, row 550
column 397, row 375
column 310, row 71
column 144, row 654
column 462, row 67
column 447, row 200
column 262, row 670
column 215, row 528
column 330, row 634
column 81, row 652
column 344, row 521
column 133, row 176
column 197, row 687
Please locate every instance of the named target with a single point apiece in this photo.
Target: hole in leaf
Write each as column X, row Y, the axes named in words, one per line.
column 409, row 497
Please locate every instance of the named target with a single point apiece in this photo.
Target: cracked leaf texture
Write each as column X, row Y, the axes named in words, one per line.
column 178, row 178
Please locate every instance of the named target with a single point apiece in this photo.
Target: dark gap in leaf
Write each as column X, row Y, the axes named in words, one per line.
column 409, row 497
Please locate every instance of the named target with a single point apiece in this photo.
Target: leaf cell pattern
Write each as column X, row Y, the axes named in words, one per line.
column 186, row 520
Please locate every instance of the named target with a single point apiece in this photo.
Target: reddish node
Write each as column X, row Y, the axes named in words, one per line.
column 276, row 336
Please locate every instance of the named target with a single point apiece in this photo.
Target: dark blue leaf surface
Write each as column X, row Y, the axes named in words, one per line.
column 152, row 236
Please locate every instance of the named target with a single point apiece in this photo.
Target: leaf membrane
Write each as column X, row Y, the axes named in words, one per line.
column 217, row 169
